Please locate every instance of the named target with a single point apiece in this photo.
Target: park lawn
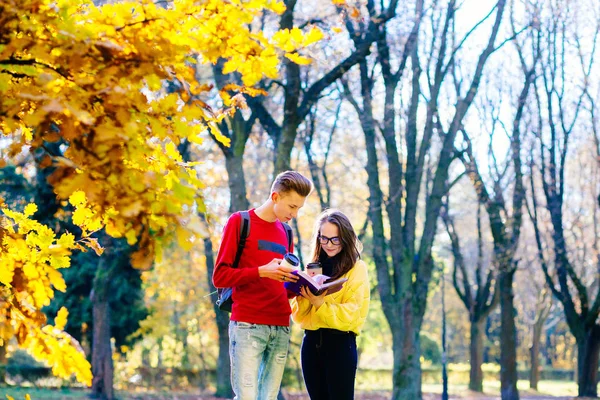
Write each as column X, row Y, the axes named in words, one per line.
column 551, row 388
column 491, row 388
column 18, row 393
column 373, row 382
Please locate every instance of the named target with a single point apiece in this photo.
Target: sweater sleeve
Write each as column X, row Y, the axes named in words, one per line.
column 300, row 309
column 224, row 274
column 343, row 315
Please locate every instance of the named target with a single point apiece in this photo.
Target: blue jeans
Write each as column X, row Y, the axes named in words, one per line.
column 258, row 354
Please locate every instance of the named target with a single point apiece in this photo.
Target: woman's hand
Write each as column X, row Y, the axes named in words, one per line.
column 316, row 301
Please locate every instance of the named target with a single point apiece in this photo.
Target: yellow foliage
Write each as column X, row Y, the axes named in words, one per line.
column 294, row 39
column 30, row 254
column 91, row 77
column 82, row 74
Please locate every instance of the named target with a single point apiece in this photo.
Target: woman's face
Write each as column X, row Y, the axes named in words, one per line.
column 330, row 235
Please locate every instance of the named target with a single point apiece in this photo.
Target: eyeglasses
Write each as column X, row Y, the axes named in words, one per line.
column 334, row 240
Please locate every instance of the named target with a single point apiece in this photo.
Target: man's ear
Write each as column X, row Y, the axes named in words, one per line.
column 275, row 197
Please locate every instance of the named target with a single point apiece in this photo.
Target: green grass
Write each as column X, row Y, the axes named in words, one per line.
column 18, row 393
column 42, row 394
column 565, row 388
column 551, row 388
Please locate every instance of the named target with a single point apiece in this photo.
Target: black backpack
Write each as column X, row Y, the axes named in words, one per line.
column 224, row 302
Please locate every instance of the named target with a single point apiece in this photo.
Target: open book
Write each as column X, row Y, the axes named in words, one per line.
column 316, row 283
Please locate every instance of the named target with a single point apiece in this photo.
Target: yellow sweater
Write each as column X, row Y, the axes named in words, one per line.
column 345, row 310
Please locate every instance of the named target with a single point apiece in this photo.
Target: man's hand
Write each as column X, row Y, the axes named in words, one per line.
column 316, row 301
column 277, row 272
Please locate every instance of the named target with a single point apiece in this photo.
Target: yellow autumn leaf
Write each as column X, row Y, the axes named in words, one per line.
column 283, row 40
column 172, row 152
column 298, row 59
column 131, row 236
column 30, row 270
column 30, row 209
column 278, row 7
column 56, row 279
column 313, row 36
column 77, row 198
column 81, row 215
column 66, row 240
column 230, row 66
column 6, row 275
column 61, row 319
column 296, row 36
column 94, row 245
column 184, row 237
column 154, row 82
column 218, row 135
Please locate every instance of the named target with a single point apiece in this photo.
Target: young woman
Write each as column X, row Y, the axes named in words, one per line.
column 332, row 322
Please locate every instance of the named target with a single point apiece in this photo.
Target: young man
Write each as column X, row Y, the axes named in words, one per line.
column 259, row 330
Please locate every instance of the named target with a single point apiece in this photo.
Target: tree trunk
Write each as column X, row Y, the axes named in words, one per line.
column 587, row 363
column 237, row 182
column 407, row 366
column 534, row 373
column 286, row 144
column 508, row 337
column 407, row 353
column 238, row 201
column 223, row 363
column 222, row 318
column 102, row 365
column 3, row 363
column 476, row 351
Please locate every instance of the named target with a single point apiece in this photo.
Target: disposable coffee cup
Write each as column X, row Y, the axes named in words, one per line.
column 314, row 268
column 290, row 260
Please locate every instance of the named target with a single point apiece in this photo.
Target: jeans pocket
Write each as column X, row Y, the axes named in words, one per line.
column 245, row 325
column 286, row 329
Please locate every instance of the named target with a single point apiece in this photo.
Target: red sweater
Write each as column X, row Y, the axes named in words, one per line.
column 256, row 300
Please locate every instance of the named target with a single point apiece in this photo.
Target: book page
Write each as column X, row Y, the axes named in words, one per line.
column 316, row 284
column 334, row 286
column 320, row 279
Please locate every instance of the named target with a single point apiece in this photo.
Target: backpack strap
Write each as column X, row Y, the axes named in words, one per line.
column 290, row 235
column 244, row 232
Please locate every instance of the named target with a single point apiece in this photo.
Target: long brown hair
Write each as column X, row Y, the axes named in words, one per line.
column 351, row 246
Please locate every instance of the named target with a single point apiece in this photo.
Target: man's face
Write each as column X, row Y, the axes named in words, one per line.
column 287, row 205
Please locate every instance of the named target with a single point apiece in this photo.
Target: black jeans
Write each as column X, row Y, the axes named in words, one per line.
column 329, row 361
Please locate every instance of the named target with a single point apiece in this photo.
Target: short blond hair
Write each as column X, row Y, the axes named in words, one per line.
column 292, row 181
